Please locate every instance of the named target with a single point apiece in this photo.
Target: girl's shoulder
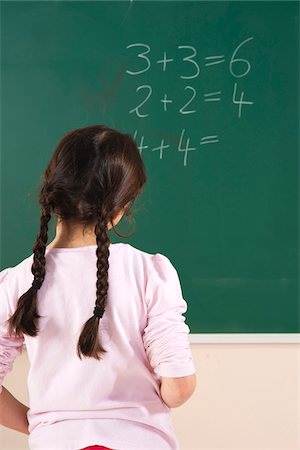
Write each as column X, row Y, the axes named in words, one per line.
column 137, row 252
column 158, row 264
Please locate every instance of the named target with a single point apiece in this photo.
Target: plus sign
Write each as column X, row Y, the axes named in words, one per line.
column 166, row 101
column 164, row 61
column 161, row 148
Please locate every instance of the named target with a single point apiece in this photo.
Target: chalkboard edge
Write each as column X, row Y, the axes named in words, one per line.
column 244, row 338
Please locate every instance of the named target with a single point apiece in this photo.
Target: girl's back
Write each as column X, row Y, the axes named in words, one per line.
column 96, row 379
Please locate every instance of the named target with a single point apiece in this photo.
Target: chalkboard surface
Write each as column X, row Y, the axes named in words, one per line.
column 210, row 92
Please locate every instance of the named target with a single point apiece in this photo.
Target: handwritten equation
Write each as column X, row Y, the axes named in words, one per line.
column 238, row 68
column 183, row 144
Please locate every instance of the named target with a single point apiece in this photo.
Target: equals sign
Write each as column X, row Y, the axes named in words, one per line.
column 217, row 99
column 219, row 59
column 209, row 139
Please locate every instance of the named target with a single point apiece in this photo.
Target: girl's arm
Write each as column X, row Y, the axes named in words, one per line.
column 176, row 391
column 13, row 414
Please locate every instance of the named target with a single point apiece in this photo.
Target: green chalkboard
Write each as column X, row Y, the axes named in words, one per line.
column 210, row 92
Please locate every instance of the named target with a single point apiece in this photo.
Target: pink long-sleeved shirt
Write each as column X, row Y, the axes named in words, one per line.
column 116, row 401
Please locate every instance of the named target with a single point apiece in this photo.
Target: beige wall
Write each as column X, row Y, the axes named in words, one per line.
column 248, row 397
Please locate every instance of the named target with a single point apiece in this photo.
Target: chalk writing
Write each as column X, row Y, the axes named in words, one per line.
column 212, row 99
column 165, row 101
column 190, row 100
column 241, row 100
column 143, row 56
column 209, row 139
column 219, row 60
column 234, row 61
column 185, row 149
column 164, row 61
column 183, row 144
column 141, row 146
column 191, row 60
column 136, row 109
column 161, row 148
column 189, row 69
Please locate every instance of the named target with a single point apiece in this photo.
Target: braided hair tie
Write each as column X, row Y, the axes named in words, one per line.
column 36, row 283
column 98, row 312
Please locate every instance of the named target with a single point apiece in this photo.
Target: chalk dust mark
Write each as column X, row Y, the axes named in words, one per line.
column 128, row 10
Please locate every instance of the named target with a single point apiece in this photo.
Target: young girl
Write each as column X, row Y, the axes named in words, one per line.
column 103, row 323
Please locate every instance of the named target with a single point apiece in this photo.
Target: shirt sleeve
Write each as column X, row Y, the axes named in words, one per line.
column 10, row 345
column 166, row 334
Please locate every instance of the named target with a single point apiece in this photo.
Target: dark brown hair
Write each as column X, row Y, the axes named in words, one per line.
column 94, row 173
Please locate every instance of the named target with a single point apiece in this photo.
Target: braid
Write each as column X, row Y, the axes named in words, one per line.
column 102, row 253
column 39, row 248
column 89, row 341
column 24, row 318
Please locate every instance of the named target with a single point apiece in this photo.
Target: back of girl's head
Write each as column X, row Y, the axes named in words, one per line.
column 94, row 173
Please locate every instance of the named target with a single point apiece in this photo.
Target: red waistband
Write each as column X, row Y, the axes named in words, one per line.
column 95, row 447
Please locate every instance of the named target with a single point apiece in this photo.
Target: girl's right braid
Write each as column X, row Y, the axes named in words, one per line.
column 24, row 318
